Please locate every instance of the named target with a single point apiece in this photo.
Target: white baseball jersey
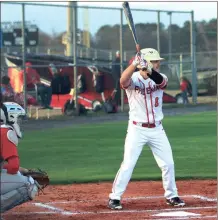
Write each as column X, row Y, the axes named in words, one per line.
column 145, row 99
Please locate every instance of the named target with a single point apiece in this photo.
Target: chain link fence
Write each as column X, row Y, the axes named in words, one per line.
column 95, row 42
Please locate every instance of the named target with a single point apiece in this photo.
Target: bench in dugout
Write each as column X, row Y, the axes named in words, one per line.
column 36, row 108
column 60, row 85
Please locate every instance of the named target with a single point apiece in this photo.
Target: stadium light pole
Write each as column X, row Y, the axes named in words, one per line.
column 74, row 4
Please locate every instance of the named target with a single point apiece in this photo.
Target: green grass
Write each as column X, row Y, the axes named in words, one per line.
column 94, row 152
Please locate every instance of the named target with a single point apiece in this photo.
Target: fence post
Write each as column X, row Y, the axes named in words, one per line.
column 48, row 51
column 121, row 58
column 110, row 58
column 124, row 56
column 96, row 54
column 24, row 58
column 158, row 31
column 193, row 59
column 81, row 53
column 8, row 49
column 170, row 36
column 180, row 66
column 70, row 15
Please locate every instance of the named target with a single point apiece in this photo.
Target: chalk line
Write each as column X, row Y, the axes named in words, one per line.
column 204, row 198
column 188, row 217
column 57, row 210
column 30, row 213
column 63, row 212
column 143, row 211
column 175, row 218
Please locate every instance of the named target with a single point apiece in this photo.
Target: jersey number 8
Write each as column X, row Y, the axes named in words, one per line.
column 156, row 103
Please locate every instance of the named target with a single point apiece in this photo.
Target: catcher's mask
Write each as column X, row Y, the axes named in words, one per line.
column 13, row 115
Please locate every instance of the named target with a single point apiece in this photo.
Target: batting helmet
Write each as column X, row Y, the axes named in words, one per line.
column 150, row 54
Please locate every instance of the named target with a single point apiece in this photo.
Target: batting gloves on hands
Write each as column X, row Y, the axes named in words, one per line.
column 144, row 65
column 137, row 60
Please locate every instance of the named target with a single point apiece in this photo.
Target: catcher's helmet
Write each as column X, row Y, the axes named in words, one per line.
column 13, row 114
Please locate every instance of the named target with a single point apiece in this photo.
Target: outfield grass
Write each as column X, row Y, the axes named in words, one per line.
column 94, row 152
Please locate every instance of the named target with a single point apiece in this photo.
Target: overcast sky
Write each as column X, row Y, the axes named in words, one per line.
column 55, row 18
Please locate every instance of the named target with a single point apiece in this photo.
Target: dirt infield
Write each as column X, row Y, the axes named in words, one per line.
column 142, row 200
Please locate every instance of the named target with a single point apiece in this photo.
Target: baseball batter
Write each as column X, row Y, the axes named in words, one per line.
column 144, row 89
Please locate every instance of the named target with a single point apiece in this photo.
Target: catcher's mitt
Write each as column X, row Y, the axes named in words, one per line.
column 40, row 176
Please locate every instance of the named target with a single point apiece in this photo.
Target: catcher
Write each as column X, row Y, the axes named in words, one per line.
column 18, row 185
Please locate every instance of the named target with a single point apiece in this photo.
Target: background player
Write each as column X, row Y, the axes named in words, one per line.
column 144, row 90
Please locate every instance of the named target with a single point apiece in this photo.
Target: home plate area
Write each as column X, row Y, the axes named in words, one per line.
column 198, row 207
column 89, row 201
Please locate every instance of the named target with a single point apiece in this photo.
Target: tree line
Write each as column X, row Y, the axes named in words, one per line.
column 108, row 37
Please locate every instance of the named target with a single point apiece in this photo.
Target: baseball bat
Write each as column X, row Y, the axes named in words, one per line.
column 131, row 24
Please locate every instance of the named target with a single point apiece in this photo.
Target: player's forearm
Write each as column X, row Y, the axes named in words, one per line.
column 156, row 77
column 126, row 75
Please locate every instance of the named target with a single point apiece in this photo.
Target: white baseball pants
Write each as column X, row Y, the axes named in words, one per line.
column 157, row 140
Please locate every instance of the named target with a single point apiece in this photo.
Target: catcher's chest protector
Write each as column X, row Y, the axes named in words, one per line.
column 8, row 142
